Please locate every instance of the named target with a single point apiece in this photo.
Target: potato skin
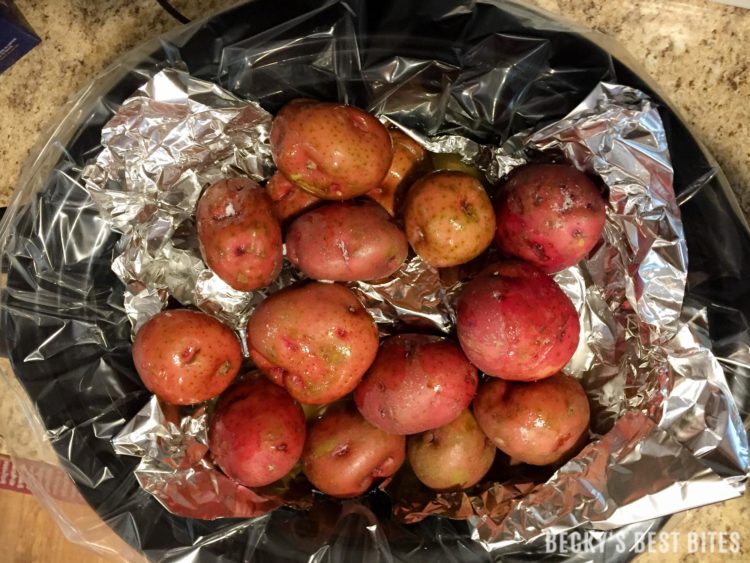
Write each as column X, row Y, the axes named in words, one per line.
column 514, row 322
column 448, row 218
column 185, row 357
column 344, row 454
column 453, row 161
column 257, row 432
column 409, row 158
column 346, row 242
column 453, row 457
column 331, row 150
column 539, row 423
column 315, row 339
column 551, row 215
column 416, row 383
column 287, row 198
column 240, row 238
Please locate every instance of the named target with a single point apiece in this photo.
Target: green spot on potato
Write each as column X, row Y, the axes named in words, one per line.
column 313, row 390
column 325, row 447
column 460, row 476
column 333, row 354
column 223, row 368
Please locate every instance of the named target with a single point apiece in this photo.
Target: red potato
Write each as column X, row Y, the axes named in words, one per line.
column 257, row 432
column 551, row 215
column 453, row 457
column 316, row 340
column 344, row 454
column 409, row 158
column 453, row 161
column 185, row 357
column 538, row 423
column 514, row 322
column 346, row 242
column 416, row 383
column 240, row 238
column 288, row 199
column 331, row 150
column 448, row 218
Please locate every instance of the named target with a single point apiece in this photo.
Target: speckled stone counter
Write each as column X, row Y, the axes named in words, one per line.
column 698, row 52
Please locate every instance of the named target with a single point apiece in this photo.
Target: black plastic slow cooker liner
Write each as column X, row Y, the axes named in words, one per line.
column 59, row 254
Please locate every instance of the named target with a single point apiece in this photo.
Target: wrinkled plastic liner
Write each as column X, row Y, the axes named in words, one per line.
column 664, row 343
column 628, row 294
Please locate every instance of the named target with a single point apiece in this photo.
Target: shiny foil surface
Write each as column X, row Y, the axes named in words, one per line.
column 167, row 142
column 665, row 433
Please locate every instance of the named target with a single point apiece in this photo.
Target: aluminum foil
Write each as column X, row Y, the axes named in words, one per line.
column 172, row 443
column 166, row 143
column 413, row 296
column 665, row 433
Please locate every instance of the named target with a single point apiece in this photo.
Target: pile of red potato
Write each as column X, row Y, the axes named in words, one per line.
column 348, row 199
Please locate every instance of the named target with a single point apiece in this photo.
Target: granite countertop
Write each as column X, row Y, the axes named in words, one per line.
column 697, row 51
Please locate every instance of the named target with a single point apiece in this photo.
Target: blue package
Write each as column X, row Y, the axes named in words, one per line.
column 16, row 36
